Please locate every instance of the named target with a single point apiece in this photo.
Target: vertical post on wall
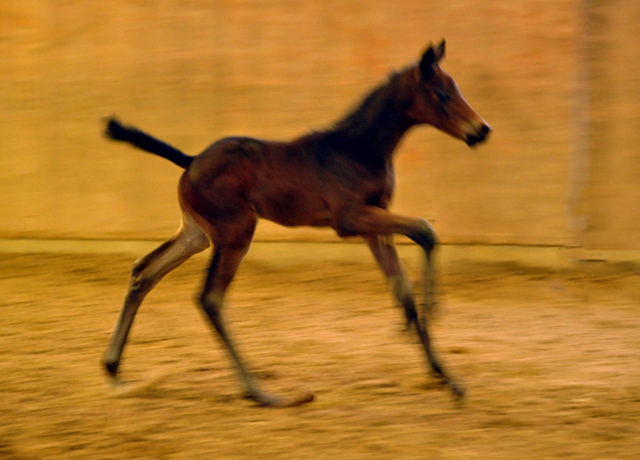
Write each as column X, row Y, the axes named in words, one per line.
column 579, row 133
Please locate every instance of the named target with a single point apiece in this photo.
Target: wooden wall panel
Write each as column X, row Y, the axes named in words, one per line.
column 191, row 72
column 613, row 197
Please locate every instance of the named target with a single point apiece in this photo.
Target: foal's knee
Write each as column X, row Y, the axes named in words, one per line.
column 424, row 235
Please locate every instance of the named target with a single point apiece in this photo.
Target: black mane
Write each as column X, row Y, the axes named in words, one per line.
column 370, row 132
column 380, row 101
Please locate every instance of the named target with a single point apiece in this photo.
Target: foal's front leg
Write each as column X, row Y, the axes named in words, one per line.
column 376, row 224
column 384, row 251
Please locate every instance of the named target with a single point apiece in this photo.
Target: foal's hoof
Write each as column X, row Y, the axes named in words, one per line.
column 111, row 368
column 268, row 400
column 111, row 375
column 459, row 392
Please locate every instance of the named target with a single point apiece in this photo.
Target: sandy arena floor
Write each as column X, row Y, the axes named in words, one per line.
column 551, row 362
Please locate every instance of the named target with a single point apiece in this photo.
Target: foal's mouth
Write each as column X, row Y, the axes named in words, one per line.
column 479, row 135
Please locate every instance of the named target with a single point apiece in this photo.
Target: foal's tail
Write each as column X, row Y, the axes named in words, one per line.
column 118, row 132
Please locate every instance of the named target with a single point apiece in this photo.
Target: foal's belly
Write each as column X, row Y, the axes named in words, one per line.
column 293, row 208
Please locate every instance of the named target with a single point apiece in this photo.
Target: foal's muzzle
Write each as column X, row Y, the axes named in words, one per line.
column 476, row 133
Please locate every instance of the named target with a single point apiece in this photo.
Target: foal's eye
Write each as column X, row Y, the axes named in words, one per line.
column 443, row 96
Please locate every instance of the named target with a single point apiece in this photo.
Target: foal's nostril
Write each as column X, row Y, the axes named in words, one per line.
column 478, row 134
column 475, row 132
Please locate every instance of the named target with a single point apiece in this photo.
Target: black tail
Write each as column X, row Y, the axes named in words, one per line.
column 118, row 132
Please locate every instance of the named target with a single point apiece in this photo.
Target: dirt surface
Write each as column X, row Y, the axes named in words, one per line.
column 550, row 361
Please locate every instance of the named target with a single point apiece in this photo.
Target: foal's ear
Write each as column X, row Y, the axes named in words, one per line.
column 430, row 58
column 440, row 50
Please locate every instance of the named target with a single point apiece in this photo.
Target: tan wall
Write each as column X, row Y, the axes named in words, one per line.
column 613, row 198
column 191, row 72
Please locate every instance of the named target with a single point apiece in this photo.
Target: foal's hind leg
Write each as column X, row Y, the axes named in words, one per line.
column 146, row 273
column 226, row 260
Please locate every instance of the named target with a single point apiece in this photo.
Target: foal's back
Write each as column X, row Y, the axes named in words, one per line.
column 303, row 182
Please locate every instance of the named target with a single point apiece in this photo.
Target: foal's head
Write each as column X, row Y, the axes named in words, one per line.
column 437, row 101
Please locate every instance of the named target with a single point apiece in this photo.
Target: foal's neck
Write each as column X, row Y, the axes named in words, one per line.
column 371, row 132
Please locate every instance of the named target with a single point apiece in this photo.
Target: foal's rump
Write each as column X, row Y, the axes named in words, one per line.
column 277, row 180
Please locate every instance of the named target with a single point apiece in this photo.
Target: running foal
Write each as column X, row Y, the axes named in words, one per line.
column 341, row 177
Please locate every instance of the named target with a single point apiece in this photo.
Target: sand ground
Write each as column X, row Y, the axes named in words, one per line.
column 550, row 359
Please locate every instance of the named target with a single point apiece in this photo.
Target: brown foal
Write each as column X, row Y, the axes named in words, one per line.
column 341, row 177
